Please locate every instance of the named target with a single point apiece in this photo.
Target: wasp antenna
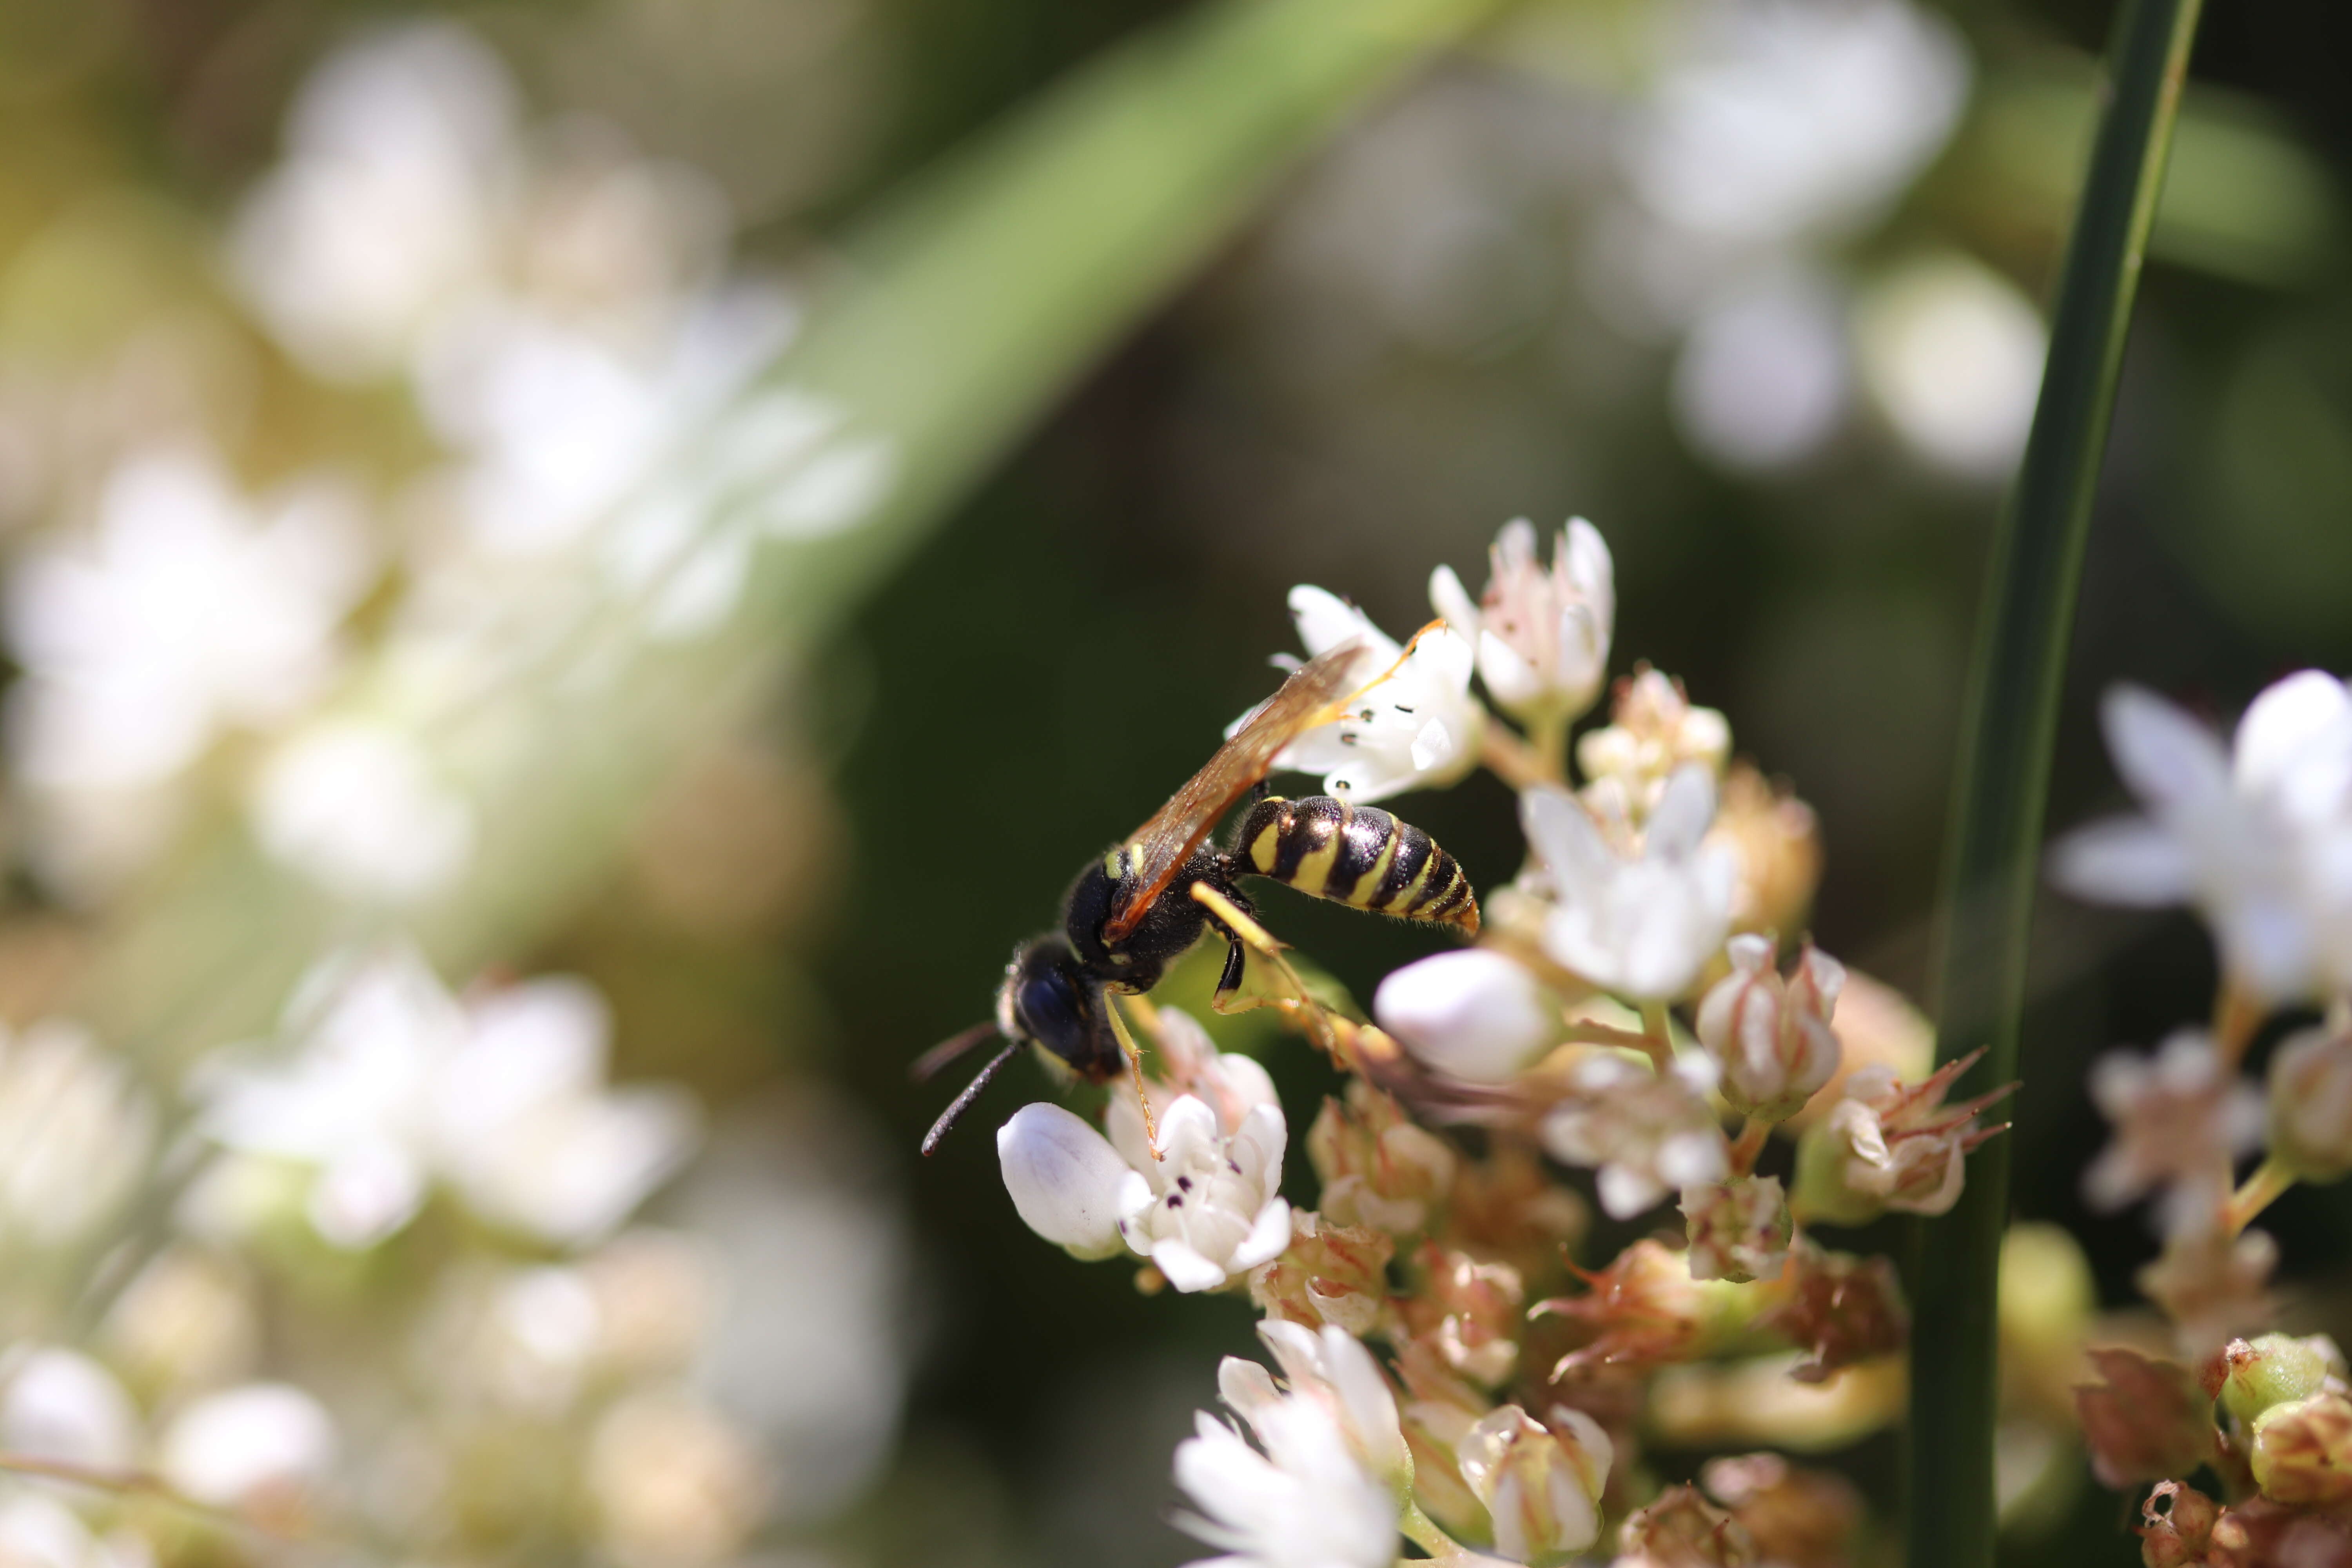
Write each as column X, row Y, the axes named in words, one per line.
column 964, row 1101
column 927, row 1066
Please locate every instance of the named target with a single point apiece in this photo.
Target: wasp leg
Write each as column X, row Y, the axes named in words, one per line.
column 1242, row 930
column 1135, row 1074
column 1230, row 980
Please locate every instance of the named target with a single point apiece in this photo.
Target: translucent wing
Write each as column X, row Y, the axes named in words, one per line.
column 1311, row 696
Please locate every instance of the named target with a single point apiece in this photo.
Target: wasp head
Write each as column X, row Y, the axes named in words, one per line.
column 1050, row 999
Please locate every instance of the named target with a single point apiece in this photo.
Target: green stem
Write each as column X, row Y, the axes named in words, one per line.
column 2267, row 1184
column 1423, row 1533
column 1658, row 1034
column 1993, row 857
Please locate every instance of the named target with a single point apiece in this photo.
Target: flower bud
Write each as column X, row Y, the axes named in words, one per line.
column 1064, row 1179
column 1680, row 1529
column 1653, row 730
column 1738, row 1229
column 2275, row 1369
column 1889, row 1145
column 2302, row 1451
column 2148, row 1420
column 1334, row 1274
column 1878, row 1026
column 1380, row 1170
column 2211, row 1286
column 2311, row 1105
column 1801, row 1518
column 1469, row 1313
column 1645, row 1309
column 1542, row 636
column 1471, row 1014
column 1541, row 1484
column 1838, row 1308
column 1431, row 1429
column 1776, row 839
column 1773, row 1036
column 2177, row 1533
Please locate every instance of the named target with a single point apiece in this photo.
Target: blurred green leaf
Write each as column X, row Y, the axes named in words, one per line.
column 958, row 315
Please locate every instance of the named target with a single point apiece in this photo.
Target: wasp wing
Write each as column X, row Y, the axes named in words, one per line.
column 1312, row 696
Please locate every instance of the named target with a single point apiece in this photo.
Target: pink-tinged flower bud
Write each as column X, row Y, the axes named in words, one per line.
column 1542, row 635
column 1773, row 1036
column 1797, row 1517
column 1738, row 1229
column 2146, row 1421
column 1471, row 1014
column 2276, row 1369
column 1888, row 1145
column 1878, row 1026
column 1839, row 1308
column 1380, row 1170
column 2311, row 1104
column 2177, row 1526
column 1644, row 1309
column 2211, row 1286
column 1469, row 1313
column 1431, row 1429
column 2302, row 1451
column 1681, row 1529
column 1334, row 1274
column 1541, row 1482
column 1653, row 730
column 1777, row 841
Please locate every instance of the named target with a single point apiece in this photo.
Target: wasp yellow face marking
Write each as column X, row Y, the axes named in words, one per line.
column 1368, row 886
column 1115, row 863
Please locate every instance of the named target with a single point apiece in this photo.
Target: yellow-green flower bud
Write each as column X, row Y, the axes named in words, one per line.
column 2302, row 1451
column 2275, row 1369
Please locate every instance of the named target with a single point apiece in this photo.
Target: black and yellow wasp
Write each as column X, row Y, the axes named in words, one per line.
column 1138, row 907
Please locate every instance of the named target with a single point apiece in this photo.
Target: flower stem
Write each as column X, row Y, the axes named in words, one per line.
column 1993, row 857
column 1747, row 1145
column 2268, row 1183
column 1422, row 1531
column 1547, row 739
column 1658, row 1035
column 2236, row 1017
column 1512, row 759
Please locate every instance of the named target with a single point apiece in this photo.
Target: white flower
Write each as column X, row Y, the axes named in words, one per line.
column 1773, row 1036
column 1309, row 1500
column 395, row 1083
column 188, row 610
column 251, row 1444
column 1207, row 1211
column 1417, row 727
column 354, row 804
column 75, row 1134
column 2260, row 841
column 1333, row 1369
column 2181, row 1118
column 1641, row 926
column 1472, row 1012
column 1646, row 1134
column 1542, row 1483
column 61, row 1405
column 1542, row 637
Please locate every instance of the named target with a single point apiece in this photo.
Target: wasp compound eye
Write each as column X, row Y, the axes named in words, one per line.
column 1048, row 1008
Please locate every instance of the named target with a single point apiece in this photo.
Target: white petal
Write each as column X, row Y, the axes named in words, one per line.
column 2167, row 757
column 1562, row 834
column 1451, row 600
column 1325, row 620
column 1626, row 1192
column 1591, row 572
column 228, row 1446
column 1186, row 1270
column 1472, row 1012
column 1686, row 810
column 2294, row 745
column 1064, row 1177
column 2124, row 860
column 1510, row 678
column 1365, row 1395
column 1269, row 1234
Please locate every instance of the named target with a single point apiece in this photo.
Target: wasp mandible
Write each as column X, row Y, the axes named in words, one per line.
column 1135, row 909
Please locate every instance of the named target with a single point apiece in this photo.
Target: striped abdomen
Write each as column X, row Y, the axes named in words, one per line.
column 1357, row 855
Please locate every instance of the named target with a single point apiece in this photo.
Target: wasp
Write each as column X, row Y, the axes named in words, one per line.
column 1138, row 907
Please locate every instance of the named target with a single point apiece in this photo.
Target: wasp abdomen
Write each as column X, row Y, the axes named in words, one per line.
column 1357, row 855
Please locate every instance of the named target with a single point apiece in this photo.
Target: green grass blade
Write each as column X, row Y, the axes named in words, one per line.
column 1993, row 858
column 963, row 312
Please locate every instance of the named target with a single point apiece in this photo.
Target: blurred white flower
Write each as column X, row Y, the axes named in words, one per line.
column 1952, row 352
column 2181, row 1119
column 187, row 610
column 1307, row 1501
column 1760, row 381
column 1790, row 116
column 1542, row 636
column 1474, row 1014
column 674, row 1484
column 393, row 1083
column 1331, row 1368
column 2260, row 841
column 399, row 166
column 37, row 1530
column 1415, row 728
column 75, row 1134
column 354, row 804
column 1644, row 925
column 263, row 1445
column 1654, row 729
column 1645, row 1133
column 61, row 1405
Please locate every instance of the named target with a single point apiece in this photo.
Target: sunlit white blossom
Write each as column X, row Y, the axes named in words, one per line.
column 1332, row 1368
column 1542, row 636
column 355, row 804
column 1646, row 1134
column 393, row 1083
column 2258, row 837
column 1416, row 726
column 1644, row 925
column 1302, row 1498
column 1474, row 1014
column 249, row 1445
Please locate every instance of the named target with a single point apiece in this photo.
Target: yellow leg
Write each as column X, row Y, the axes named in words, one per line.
column 1134, row 1073
column 1299, row 1006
